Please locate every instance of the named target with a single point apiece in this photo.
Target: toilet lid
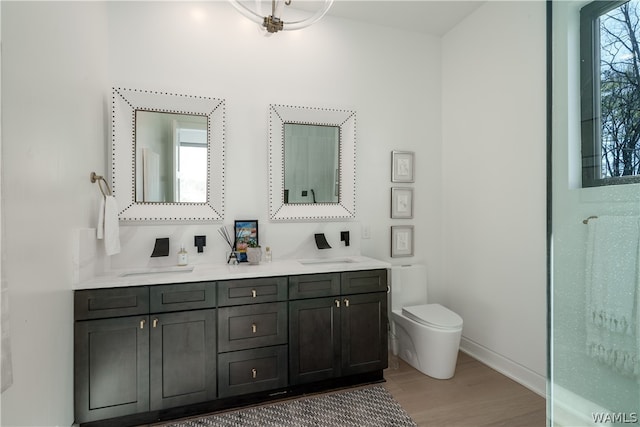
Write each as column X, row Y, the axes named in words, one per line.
column 433, row 315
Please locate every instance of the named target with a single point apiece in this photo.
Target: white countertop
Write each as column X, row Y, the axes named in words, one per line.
column 205, row 272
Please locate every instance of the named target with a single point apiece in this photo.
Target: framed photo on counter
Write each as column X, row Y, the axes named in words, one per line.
column 246, row 233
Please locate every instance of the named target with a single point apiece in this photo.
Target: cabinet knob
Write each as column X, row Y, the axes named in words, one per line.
column 346, row 302
column 254, row 328
column 142, row 322
column 254, row 373
column 337, row 302
column 155, row 322
column 254, row 293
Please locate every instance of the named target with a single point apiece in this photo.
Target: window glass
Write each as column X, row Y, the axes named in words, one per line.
column 610, row 97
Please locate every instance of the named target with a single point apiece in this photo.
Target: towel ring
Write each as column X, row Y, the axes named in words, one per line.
column 100, row 179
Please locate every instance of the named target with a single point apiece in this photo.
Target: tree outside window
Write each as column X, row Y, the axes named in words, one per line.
column 610, row 98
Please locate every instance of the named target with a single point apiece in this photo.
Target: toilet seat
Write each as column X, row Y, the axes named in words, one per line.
column 433, row 315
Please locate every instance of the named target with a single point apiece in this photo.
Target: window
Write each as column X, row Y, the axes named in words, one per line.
column 610, row 92
column 192, row 161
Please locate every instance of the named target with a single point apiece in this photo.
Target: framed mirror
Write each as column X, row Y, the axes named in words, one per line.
column 168, row 156
column 312, row 155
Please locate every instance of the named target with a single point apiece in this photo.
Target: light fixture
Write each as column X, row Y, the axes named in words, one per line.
column 274, row 22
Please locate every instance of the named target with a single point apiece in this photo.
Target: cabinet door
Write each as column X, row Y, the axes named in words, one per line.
column 364, row 333
column 183, row 358
column 111, row 366
column 314, row 340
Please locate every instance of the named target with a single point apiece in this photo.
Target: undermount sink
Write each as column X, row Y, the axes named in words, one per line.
column 325, row 261
column 158, row 270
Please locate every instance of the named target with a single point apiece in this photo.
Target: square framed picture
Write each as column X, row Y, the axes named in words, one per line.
column 401, row 202
column 246, row 232
column 402, row 166
column 401, row 241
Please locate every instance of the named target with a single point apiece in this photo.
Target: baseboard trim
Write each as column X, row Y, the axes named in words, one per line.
column 569, row 409
column 521, row 374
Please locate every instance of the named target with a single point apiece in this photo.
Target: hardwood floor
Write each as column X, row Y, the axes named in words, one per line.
column 476, row 396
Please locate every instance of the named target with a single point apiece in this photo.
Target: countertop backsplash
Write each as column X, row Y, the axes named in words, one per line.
column 287, row 241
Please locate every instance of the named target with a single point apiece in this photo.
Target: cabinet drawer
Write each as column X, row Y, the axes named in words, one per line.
column 314, row 285
column 114, row 302
column 182, row 296
column 250, row 371
column 356, row 282
column 252, row 326
column 251, row 291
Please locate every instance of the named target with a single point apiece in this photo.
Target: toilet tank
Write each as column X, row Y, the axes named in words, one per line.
column 408, row 285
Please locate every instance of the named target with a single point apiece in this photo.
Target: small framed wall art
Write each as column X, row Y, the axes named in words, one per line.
column 402, row 166
column 401, row 241
column 401, row 202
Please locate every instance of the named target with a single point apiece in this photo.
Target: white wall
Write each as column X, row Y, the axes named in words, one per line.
column 494, row 146
column 53, row 124
column 60, row 60
column 208, row 49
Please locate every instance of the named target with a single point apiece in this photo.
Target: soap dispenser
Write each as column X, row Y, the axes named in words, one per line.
column 183, row 256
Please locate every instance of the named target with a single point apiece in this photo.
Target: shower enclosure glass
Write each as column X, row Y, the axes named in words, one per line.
column 594, row 335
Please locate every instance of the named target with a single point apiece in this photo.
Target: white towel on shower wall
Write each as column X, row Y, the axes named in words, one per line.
column 612, row 271
column 612, row 279
column 108, row 226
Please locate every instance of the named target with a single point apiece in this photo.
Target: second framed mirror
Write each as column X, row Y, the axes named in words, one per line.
column 312, row 163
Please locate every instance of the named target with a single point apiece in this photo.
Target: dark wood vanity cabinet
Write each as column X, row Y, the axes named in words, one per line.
column 341, row 334
column 146, row 353
column 155, row 360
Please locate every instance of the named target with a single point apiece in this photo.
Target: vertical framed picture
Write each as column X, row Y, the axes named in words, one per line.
column 401, row 202
column 401, row 241
column 402, row 166
column 246, row 233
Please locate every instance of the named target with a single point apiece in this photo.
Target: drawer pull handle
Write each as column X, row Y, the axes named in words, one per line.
column 337, row 303
column 254, row 293
column 142, row 322
column 254, row 328
column 254, row 373
column 155, row 323
column 346, row 302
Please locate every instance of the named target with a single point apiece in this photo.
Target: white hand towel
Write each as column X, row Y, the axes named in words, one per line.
column 108, row 226
column 100, row 226
column 612, row 290
column 612, row 271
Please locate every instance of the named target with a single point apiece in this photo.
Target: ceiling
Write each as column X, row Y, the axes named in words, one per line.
column 434, row 17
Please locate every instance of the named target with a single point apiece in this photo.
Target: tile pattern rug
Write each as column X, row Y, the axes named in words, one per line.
column 372, row 406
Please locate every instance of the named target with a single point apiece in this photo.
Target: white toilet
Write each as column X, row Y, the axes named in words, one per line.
column 426, row 336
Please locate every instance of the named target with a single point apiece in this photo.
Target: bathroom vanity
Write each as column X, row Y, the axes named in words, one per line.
column 153, row 346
